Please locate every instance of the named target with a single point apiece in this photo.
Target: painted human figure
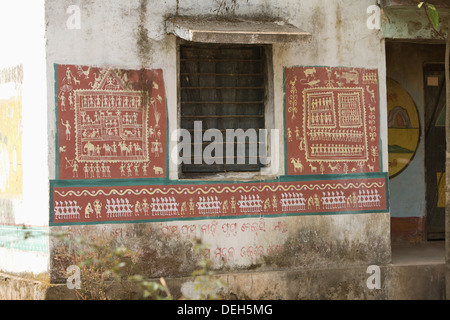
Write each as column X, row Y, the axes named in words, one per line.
column 68, row 127
column 145, row 207
column 114, row 148
column 88, row 210
column 297, row 133
column 75, row 169
column 71, row 100
column 69, row 76
column 137, row 208
column 97, row 208
column 136, row 169
column 144, row 168
column 274, row 203
column 86, row 171
column 233, row 205
column 191, row 206
column 63, row 102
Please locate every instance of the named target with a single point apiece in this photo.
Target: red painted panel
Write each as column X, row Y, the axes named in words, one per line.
column 133, row 203
column 111, row 123
column 332, row 120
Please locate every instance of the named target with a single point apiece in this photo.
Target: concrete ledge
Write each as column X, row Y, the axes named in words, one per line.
column 398, row 282
column 218, row 30
column 19, row 288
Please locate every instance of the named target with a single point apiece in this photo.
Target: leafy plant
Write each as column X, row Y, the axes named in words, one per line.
column 432, row 15
column 106, row 267
column 206, row 287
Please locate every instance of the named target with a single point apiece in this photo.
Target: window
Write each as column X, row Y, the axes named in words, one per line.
column 224, row 87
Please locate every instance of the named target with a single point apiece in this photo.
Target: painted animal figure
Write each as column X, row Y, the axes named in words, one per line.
column 89, row 149
column 310, row 72
column 137, row 149
column 124, row 148
column 297, row 165
column 84, row 72
column 158, row 170
column 129, row 133
column 313, row 168
column 371, row 92
column 335, row 167
column 313, row 83
column 107, row 148
column 96, row 83
column 351, row 76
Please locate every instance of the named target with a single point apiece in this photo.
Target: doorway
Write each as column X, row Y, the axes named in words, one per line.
column 434, row 102
column 416, row 90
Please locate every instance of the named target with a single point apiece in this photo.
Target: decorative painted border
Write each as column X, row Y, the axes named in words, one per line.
column 75, row 203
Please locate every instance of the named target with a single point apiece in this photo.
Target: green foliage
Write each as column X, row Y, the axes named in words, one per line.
column 206, row 287
column 110, row 271
column 432, row 13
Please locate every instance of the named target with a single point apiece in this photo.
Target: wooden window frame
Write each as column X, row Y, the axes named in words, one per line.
column 269, row 118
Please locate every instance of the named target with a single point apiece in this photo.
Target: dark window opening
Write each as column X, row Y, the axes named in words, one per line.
column 223, row 87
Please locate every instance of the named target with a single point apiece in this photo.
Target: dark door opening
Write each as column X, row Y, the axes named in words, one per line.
column 434, row 94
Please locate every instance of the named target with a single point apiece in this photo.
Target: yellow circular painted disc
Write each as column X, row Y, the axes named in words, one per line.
column 403, row 128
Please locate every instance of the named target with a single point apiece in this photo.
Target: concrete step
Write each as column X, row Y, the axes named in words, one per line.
column 417, row 272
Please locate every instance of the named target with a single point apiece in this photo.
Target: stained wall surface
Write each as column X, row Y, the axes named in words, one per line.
column 24, row 191
column 325, row 202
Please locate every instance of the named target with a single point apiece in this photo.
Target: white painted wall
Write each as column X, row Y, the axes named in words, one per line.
column 22, row 36
column 340, row 37
column 108, row 35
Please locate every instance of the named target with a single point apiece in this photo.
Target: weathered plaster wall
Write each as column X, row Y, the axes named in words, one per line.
column 410, row 22
column 130, row 34
column 24, row 202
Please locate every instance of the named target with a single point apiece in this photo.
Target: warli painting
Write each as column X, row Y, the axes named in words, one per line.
column 162, row 202
column 111, row 123
column 332, row 120
column 112, row 130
